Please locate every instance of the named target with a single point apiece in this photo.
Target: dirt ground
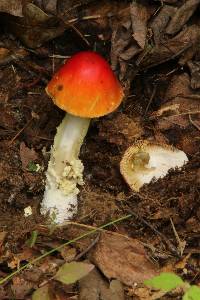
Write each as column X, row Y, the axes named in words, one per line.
column 157, row 59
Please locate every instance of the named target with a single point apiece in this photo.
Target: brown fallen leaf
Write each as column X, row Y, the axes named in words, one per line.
column 121, row 37
column 68, row 253
column 43, row 293
column 2, row 238
column 3, row 294
column 139, row 17
column 94, row 287
column 35, row 28
column 144, row 293
column 160, row 22
column 181, row 16
column 179, row 117
column 21, row 287
column 104, row 10
column 123, row 46
column 171, row 48
column 6, row 55
column 122, row 258
column 180, row 103
column 25, row 255
column 27, row 155
column 195, row 74
column 179, row 87
column 13, row 7
column 188, row 55
column 50, row 6
column 193, row 225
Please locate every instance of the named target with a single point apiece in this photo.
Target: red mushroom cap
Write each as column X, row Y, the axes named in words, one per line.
column 86, row 86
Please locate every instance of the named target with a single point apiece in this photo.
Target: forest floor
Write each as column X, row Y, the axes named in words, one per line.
column 154, row 49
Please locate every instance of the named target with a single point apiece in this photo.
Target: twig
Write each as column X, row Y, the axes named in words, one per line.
column 80, row 34
column 59, row 56
column 20, row 131
column 94, row 242
column 181, row 244
column 86, row 18
column 151, row 98
column 85, row 226
column 171, row 247
column 193, row 123
column 195, row 97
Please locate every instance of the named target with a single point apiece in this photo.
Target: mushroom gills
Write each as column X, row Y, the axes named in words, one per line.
column 146, row 161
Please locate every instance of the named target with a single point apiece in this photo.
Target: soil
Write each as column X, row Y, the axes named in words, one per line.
column 165, row 213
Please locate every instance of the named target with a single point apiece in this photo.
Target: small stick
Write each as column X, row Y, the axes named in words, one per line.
column 193, row 123
column 93, row 243
column 151, row 98
column 20, row 131
column 181, row 245
column 171, row 247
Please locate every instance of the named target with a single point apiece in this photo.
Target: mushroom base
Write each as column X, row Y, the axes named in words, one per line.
column 65, row 170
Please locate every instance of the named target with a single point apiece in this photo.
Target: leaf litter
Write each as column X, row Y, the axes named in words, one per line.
column 154, row 49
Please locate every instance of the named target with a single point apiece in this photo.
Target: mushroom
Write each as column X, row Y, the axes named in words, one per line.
column 148, row 160
column 85, row 87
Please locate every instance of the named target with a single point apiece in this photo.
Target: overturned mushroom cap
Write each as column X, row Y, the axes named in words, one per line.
column 146, row 161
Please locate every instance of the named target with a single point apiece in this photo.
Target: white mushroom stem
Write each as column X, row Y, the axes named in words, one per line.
column 65, row 170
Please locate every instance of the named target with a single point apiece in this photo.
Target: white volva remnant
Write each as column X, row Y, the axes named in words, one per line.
column 28, row 211
column 65, row 170
column 146, row 161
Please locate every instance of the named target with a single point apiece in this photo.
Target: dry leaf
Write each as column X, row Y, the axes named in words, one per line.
column 195, row 74
column 121, row 37
column 183, row 262
column 180, row 103
column 94, row 287
column 105, row 10
column 13, row 7
column 35, row 28
column 123, row 46
column 179, row 86
column 160, row 22
column 144, row 293
column 2, row 238
column 3, row 293
column 71, row 272
column 21, row 287
column 6, row 55
column 122, row 258
column 27, row 155
column 139, row 18
column 179, row 117
column 181, row 16
column 42, row 293
column 50, row 6
column 171, row 48
column 68, row 253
